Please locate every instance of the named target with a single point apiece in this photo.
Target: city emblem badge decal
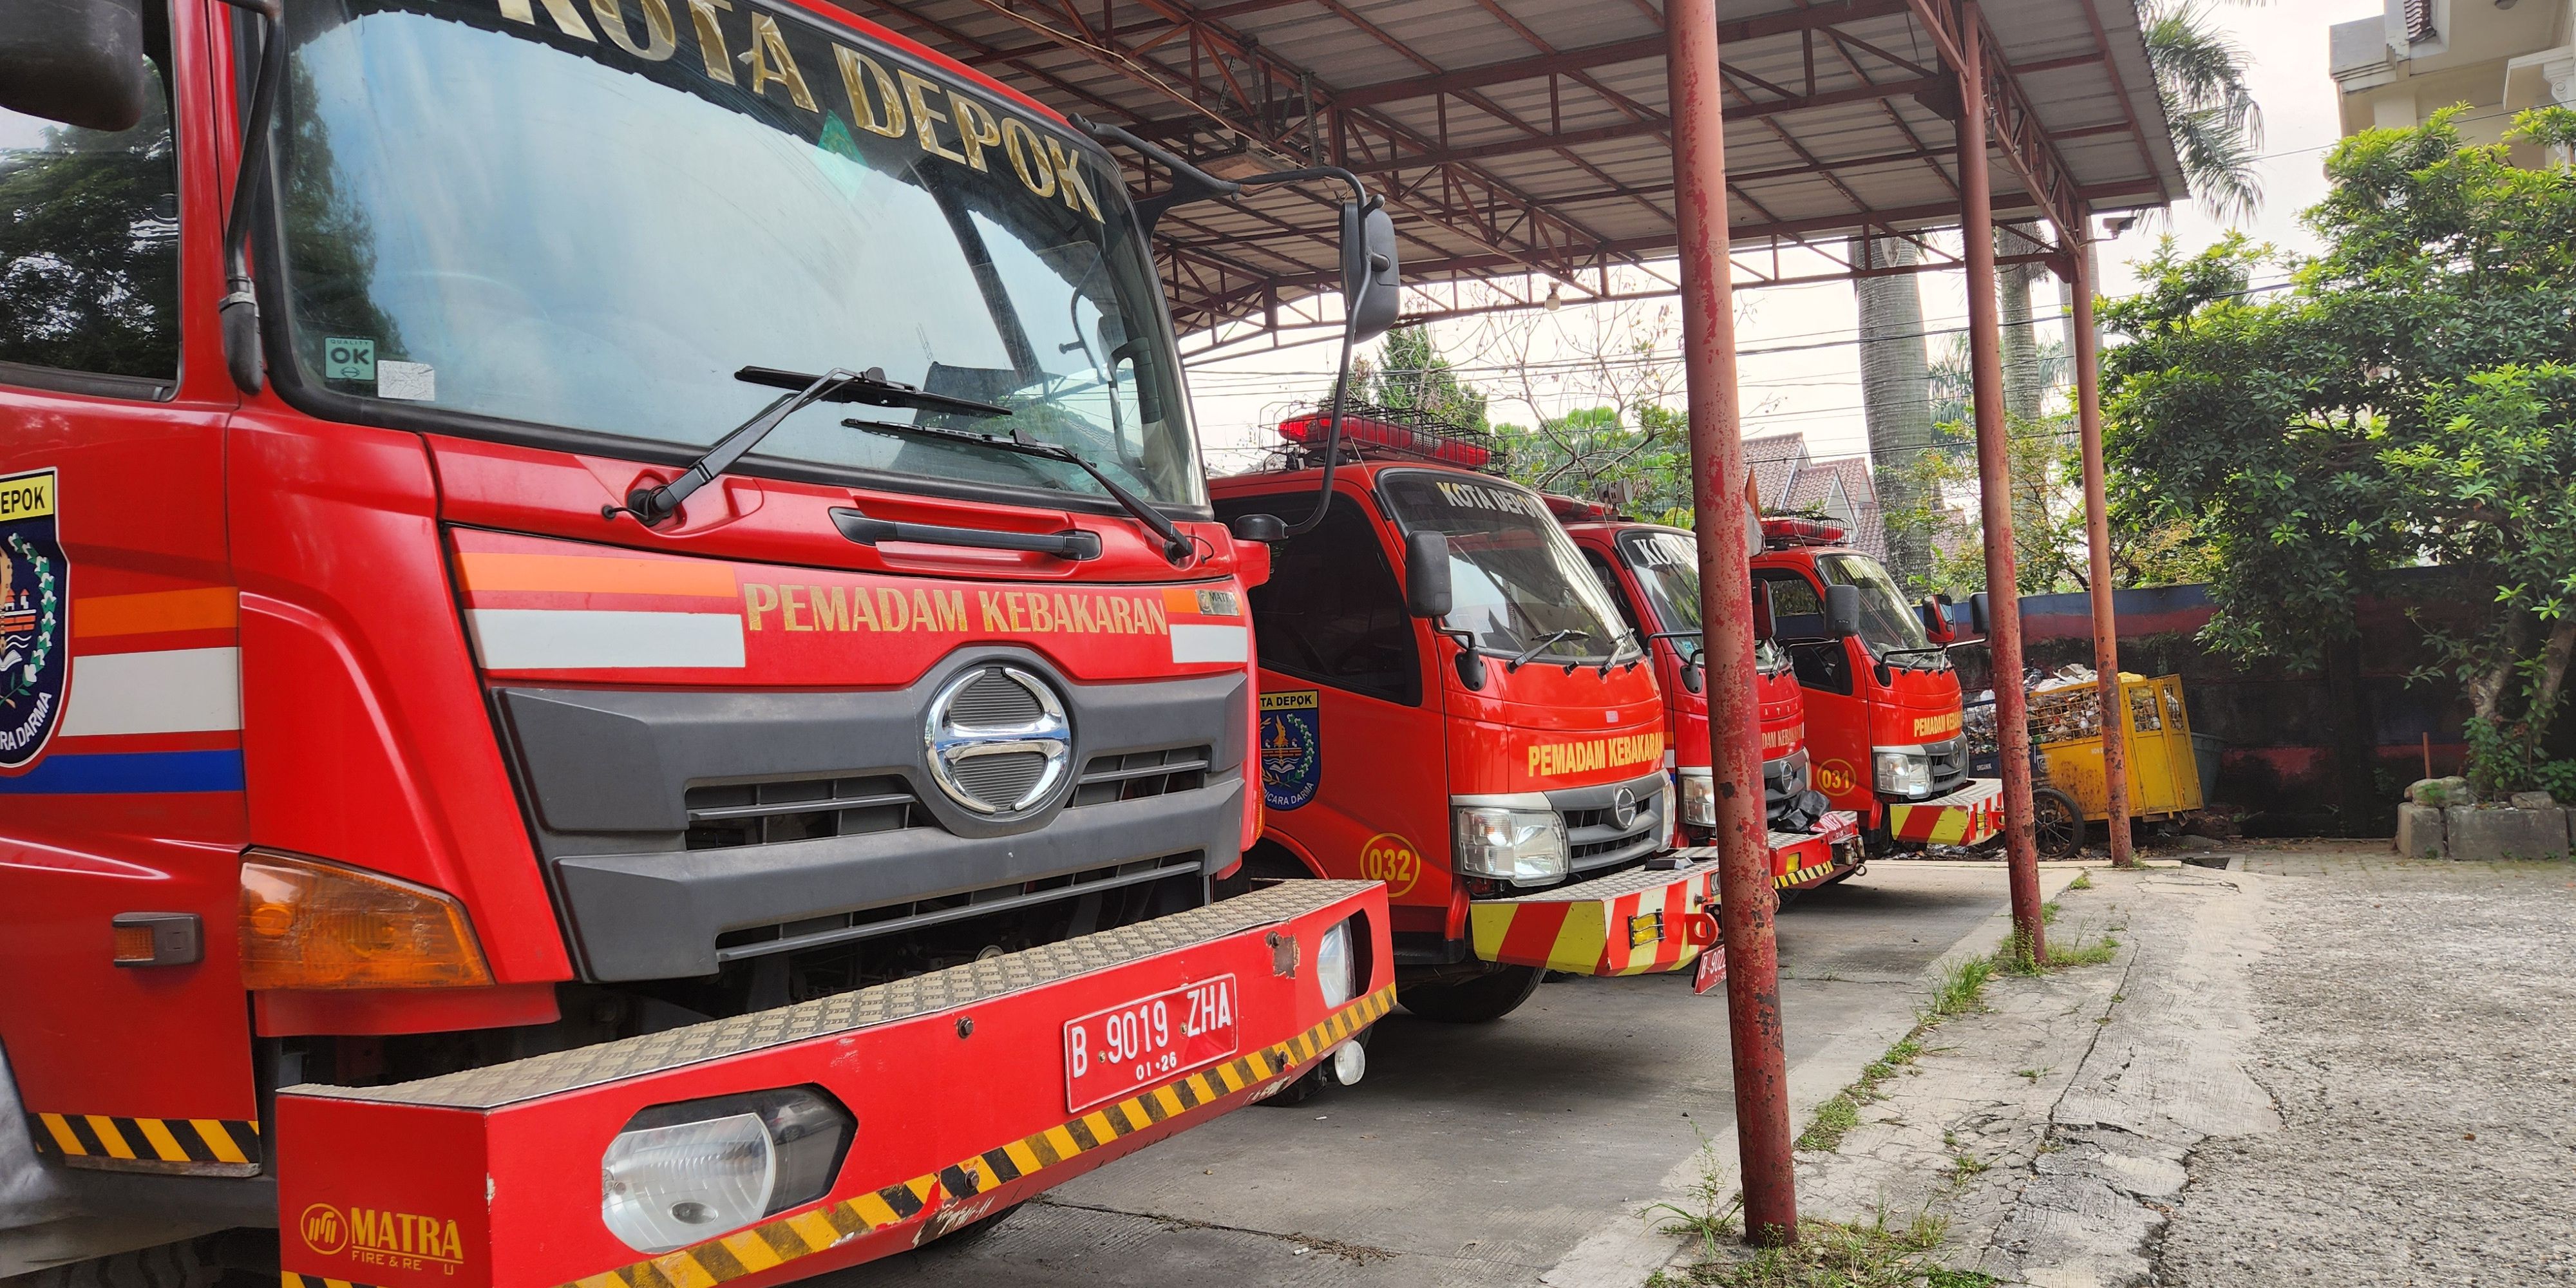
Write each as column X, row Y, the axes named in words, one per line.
column 35, row 664
column 1292, row 748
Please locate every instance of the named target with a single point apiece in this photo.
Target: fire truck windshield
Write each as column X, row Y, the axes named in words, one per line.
column 1886, row 624
column 1667, row 568
column 1515, row 577
column 569, row 222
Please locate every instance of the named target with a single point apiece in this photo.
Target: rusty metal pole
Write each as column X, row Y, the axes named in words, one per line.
column 2097, row 535
column 1994, row 486
column 1717, row 507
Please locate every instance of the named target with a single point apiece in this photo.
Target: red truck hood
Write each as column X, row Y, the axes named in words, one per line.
column 1782, row 709
column 1540, row 728
column 1924, row 707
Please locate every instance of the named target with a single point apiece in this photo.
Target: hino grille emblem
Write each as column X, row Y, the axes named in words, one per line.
column 1623, row 807
column 998, row 739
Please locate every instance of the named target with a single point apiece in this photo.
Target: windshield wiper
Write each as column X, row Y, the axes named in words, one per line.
column 1177, row 547
column 651, row 505
column 1552, row 637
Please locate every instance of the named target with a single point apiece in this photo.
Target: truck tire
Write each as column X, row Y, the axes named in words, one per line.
column 2056, row 824
column 171, row 1265
column 1485, row 998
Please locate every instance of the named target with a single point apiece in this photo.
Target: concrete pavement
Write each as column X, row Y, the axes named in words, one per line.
column 1516, row 1152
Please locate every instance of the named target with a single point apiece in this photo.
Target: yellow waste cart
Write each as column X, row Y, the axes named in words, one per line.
column 2068, row 788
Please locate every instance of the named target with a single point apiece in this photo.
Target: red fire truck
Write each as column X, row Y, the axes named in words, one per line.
column 1652, row 575
column 468, row 806
column 1450, row 706
column 1883, row 713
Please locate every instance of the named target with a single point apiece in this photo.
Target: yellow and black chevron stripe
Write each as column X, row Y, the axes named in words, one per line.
column 203, row 1146
column 1807, row 874
column 787, row 1238
column 290, row 1279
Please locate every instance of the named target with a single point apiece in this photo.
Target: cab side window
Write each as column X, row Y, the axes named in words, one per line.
column 1331, row 611
column 1609, row 579
column 1797, row 610
column 1798, row 615
column 89, row 248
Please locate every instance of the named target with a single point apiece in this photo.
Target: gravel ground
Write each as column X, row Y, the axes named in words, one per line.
column 2418, row 1037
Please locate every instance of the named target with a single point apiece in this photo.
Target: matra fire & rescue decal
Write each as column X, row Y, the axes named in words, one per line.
column 1292, row 748
column 376, row 1237
column 35, row 582
column 1392, row 859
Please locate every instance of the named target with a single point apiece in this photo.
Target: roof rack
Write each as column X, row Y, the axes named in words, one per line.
column 1371, row 432
column 1780, row 531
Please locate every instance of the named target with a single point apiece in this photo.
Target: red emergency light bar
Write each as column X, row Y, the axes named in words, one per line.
column 1574, row 509
column 1780, row 533
column 1386, row 437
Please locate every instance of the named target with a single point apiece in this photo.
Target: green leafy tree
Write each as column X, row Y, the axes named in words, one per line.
column 2405, row 403
column 1411, row 374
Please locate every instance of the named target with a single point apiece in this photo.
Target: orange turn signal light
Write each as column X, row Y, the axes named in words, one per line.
column 307, row 924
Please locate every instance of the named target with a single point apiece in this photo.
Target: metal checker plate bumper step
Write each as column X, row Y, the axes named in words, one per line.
column 1803, row 860
column 957, row 1081
column 1965, row 816
column 1635, row 922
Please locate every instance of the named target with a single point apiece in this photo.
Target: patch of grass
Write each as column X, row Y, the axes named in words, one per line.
column 2048, row 913
column 1836, row 1117
column 2032, row 1074
column 2082, row 881
column 1834, row 1120
column 1835, row 1254
column 2090, row 952
column 1962, row 990
column 1964, row 1167
column 2016, row 958
column 1713, row 1214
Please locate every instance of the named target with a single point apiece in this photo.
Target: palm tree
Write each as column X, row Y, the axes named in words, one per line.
column 2217, row 132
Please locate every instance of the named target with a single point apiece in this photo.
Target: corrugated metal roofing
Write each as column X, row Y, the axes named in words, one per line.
column 1514, row 136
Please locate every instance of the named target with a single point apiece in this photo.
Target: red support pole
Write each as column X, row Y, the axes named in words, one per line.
column 1994, row 485
column 2097, row 535
column 1717, row 506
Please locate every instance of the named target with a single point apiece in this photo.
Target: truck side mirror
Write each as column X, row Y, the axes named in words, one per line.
column 79, row 62
column 1842, row 611
column 1766, row 624
column 1936, row 619
column 1371, row 287
column 1977, row 613
column 1426, row 574
column 1264, row 528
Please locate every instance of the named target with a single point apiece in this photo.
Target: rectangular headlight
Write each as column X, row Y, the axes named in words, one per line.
column 1525, row 846
column 1903, row 771
column 1699, row 797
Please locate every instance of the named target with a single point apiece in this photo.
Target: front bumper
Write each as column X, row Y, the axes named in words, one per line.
column 1965, row 816
column 1636, row 922
column 1802, row 860
column 492, row 1176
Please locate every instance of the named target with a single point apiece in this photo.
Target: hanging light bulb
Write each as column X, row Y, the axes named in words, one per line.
column 1554, row 301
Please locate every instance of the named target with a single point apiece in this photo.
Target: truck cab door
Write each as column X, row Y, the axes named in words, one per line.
column 120, row 673
column 1354, row 771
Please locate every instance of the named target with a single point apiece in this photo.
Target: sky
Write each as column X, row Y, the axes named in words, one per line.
column 1797, row 369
